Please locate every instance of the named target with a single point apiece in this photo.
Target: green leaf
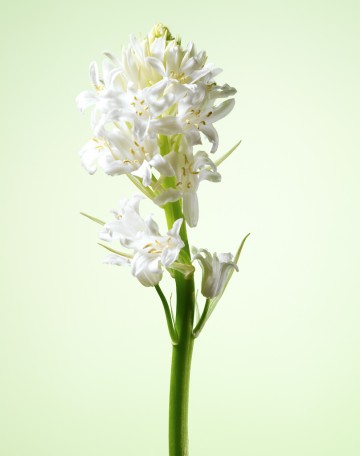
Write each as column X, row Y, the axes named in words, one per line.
column 126, row 255
column 169, row 316
column 197, row 309
column 203, row 319
column 94, row 219
column 138, row 183
column 225, row 156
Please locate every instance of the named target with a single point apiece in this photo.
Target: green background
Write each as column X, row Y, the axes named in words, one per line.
column 84, row 351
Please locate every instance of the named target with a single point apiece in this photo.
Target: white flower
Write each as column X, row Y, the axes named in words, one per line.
column 201, row 118
column 122, row 153
column 189, row 171
column 216, row 269
column 185, row 67
column 141, row 106
column 104, row 99
column 196, row 113
column 151, row 251
column 159, row 88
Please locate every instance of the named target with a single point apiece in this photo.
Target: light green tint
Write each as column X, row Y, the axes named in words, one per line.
column 84, row 349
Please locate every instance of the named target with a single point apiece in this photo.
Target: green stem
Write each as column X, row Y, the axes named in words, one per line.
column 180, row 368
column 182, row 352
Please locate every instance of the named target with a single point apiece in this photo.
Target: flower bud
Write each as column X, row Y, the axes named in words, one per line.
column 160, row 31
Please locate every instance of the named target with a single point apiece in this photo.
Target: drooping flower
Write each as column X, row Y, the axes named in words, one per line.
column 215, row 271
column 189, row 171
column 151, row 251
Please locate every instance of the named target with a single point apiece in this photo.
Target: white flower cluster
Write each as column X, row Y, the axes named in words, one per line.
column 156, row 92
column 151, row 250
column 150, row 109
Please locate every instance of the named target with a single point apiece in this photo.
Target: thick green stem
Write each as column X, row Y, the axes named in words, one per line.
column 180, row 368
column 182, row 352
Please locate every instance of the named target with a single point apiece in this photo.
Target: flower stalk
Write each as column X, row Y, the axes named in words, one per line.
column 151, row 110
column 180, row 368
column 182, row 351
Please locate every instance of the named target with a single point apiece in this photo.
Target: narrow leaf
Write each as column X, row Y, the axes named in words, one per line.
column 197, row 309
column 138, row 183
column 203, row 319
column 225, row 156
column 126, row 255
column 168, row 315
column 94, row 219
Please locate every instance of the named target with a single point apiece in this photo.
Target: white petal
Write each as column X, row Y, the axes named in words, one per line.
column 94, row 73
column 170, row 255
column 196, row 75
column 223, row 91
column 131, row 204
column 113, row 58
column 175, row 230
column 205, row 259
column 144, row 171
column 191, row 208
column 175, row 243
column 216, row 269
column 157, row 65
column 168, row 196
column 169, row 125
column 89, row 157
column 151, row 227
column 225, row 257
column 159, row 163
column 85, row 99
column 136, row 46
column 105, row 234
column 211, row 176
column 140, row 127
column 146, row 269
column 212, row 135
column 193, row 137
column 222, row 110
column 116, row 259
column 112, row 230
column 156, row 90
column 115, row 167
column 202, row 159
column 158, row 48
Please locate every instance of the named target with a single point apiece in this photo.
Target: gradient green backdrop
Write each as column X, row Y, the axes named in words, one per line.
column 84, row 352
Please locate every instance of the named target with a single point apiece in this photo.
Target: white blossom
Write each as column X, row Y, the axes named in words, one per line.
column 105, row 98
column 151, row 251
column 215, row 271
column 120, row 152
column 189, row 171
column 157, row 87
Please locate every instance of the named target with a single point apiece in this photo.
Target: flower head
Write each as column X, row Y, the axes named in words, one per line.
column 151, row 251
column 156, row 87
column 216, row 269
